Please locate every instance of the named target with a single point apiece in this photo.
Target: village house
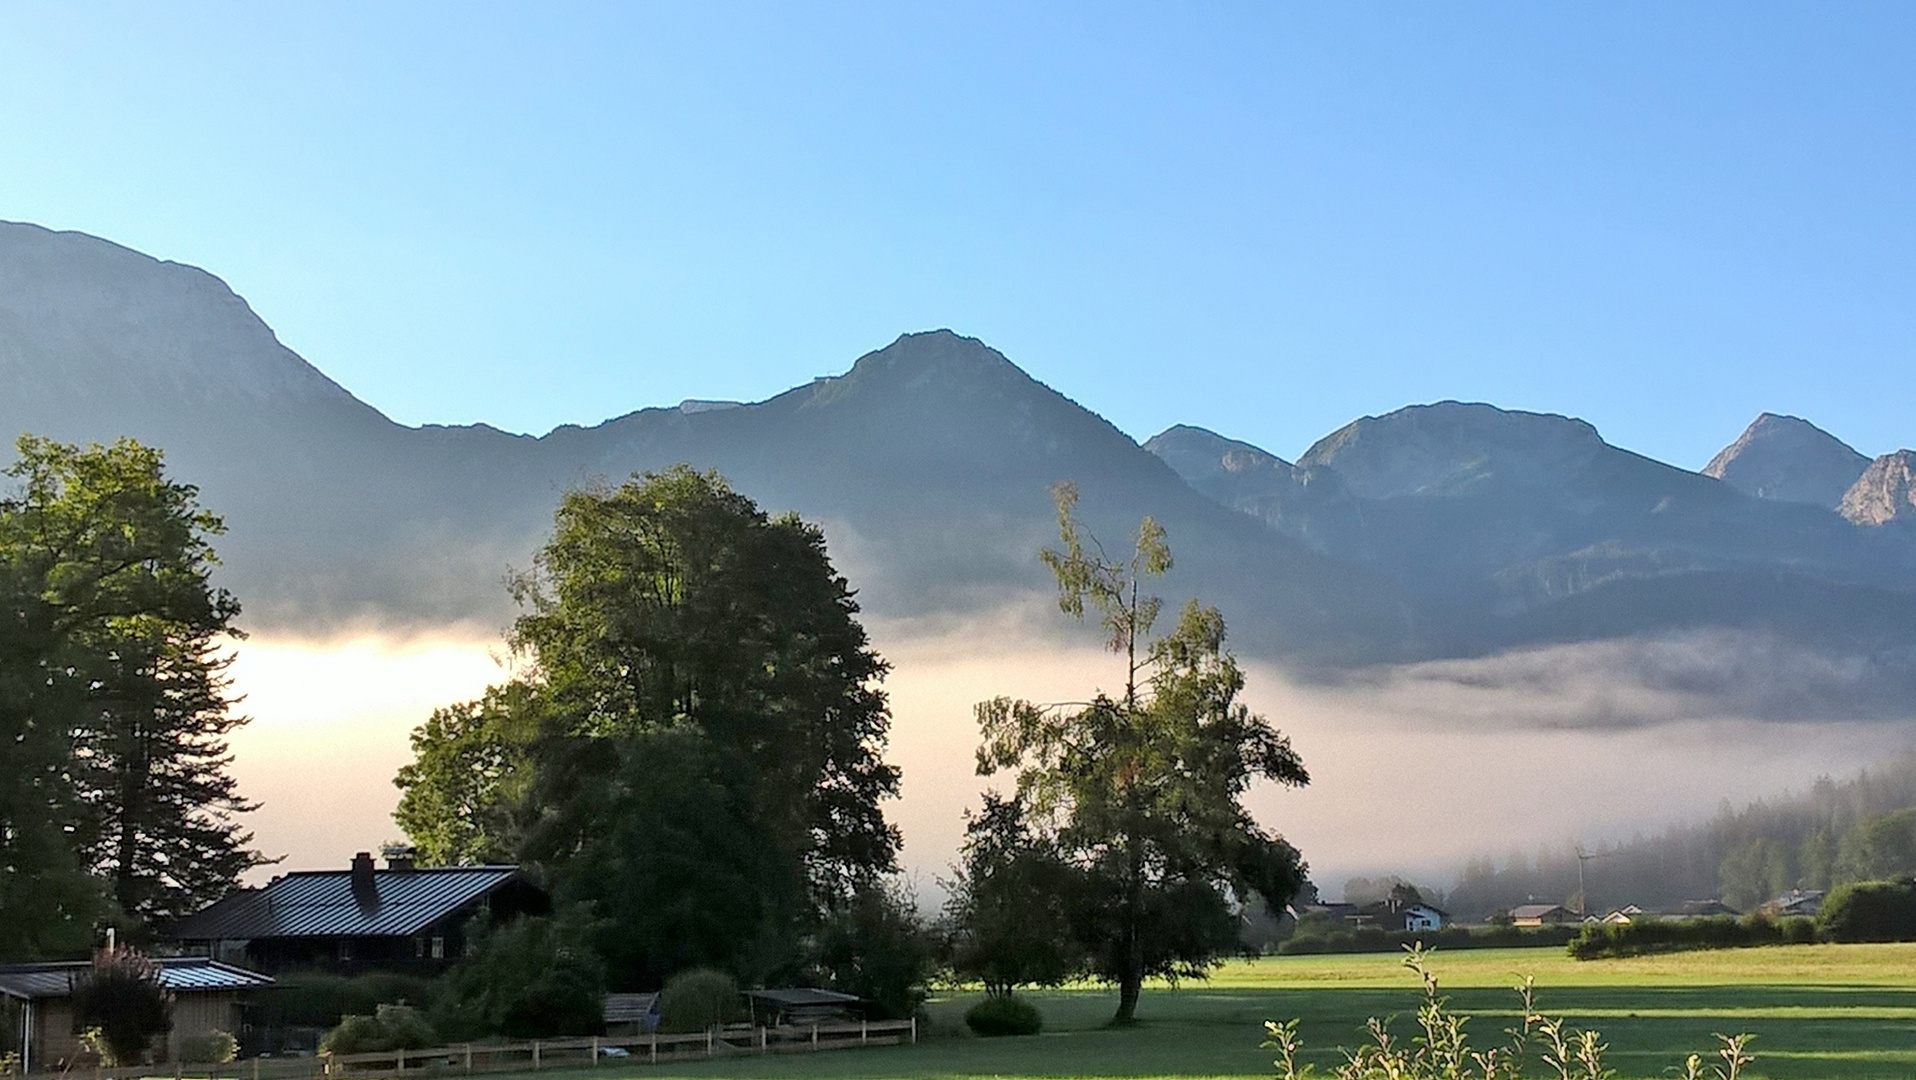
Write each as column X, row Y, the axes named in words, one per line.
column 400, row 919
column 208, row 997
column 1540, row 915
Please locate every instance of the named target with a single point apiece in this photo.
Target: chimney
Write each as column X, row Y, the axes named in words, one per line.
column 400, row 857
column 364, row 890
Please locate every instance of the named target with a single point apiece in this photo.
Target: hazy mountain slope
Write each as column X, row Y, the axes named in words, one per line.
column 1515, row 527
column 333, row 509
column 930, row 463
column 1788, row 458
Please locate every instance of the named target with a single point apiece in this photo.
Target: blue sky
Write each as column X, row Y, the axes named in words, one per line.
column 1263, row 218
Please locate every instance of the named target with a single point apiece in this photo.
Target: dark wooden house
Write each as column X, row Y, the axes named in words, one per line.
column 400, row 919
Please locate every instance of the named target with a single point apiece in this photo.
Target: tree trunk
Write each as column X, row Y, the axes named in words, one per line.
column 1131, row 945
column 1130, row 984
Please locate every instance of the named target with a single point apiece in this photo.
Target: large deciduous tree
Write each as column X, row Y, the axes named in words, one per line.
column 1142, row 793
column 118, row 702
column 694, row 744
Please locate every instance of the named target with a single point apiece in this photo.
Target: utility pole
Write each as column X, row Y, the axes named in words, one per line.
column 1583, row 895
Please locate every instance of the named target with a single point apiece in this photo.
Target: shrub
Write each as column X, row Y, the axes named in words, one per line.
column 1645, row 936
column 122, row 999
column 1004, row 1014
column 1870, row 911
column 531, row 978
column 391, row 1027
column 698, row 999
column 1441, row 1049
column 212, row 1048
column 1318, row 937
column 315, row 999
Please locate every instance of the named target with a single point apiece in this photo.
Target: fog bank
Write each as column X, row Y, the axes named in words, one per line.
column 1413, row 769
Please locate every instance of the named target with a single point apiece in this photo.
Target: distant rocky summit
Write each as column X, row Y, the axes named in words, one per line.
column 1885, row 492
column 1788, row 458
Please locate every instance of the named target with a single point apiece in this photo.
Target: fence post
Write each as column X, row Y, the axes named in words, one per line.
column 864, row 1032
column 468, row 1059
column 535, row 1055
column 655, row 1047
column 399, row 1060
column 595, row 1051
column 762, row 1046
column 914, row 1031
column 814, row 1036
column 710, row 1050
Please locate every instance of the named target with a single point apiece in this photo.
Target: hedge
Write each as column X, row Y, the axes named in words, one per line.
column 1651, row 935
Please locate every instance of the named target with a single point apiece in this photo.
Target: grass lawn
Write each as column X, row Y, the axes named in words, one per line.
column 1818, row 1011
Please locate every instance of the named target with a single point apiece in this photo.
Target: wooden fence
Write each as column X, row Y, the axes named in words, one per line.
column 535, row 1056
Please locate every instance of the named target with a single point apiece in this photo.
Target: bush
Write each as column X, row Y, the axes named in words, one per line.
column 1598, row 940
column 532, row 978
column 315, row 999
column 878, row 949
column 1005, row 1014
column 212, row 1048
column 1322, row 938
column 391, row 1027
column 1870, row 911
column 122, row 999
column 698, row 999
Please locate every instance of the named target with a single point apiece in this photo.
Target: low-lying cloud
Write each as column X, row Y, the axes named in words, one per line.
column 1414, row 768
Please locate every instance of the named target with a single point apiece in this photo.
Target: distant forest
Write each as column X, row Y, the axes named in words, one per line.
column 1860, row 828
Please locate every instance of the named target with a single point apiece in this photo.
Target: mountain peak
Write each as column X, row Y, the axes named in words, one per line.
column 1788, row 458
column 1224, row 469
column 1451, row 447
column 1885, row 492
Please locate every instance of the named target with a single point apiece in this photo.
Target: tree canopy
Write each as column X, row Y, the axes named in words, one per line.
column 1142, row 794
column 694, row 743
column 114, row 711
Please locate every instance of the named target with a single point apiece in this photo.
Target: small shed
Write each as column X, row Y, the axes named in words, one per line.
column 802, row 1006
column 208, row 996
column 631, row 1014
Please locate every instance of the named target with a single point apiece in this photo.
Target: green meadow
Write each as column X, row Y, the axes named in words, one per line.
column 1818, row 1011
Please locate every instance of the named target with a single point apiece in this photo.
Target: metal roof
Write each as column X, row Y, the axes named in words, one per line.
column 802, row 995
column 180, row 974
column 320, row 903
column 630, row 1008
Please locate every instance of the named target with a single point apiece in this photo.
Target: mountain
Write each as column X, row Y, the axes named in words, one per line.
column 1788, row 458
column 1513, row 527
column 929, row 463
column 1885, row 492
column 1440, row 530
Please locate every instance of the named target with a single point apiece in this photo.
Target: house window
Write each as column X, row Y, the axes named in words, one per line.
column 438, row 948
column 418, row 948
column 345, row 950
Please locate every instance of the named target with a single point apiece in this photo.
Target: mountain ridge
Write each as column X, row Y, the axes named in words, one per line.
column 1446, row 529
